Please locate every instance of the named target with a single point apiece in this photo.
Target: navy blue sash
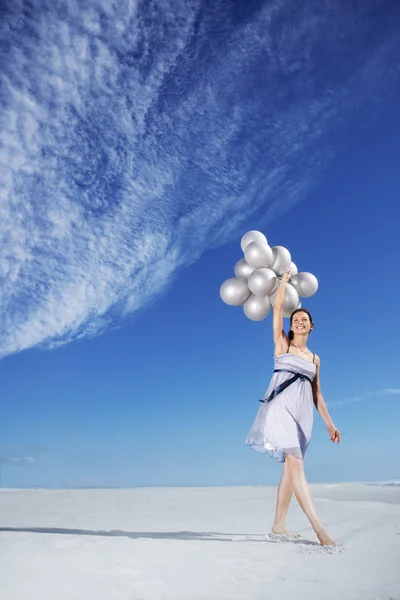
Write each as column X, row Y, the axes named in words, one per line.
column 285, row 384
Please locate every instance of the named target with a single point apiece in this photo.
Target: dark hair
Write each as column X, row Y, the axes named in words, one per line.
column 291, row 334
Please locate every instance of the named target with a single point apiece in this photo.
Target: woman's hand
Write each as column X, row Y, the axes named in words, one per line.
column 286, row 274
column 334, row 433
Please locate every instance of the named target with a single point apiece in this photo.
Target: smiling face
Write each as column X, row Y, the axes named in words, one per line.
column 301, row 323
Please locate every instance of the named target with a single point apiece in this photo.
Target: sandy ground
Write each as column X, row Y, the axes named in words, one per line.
column 196, row 544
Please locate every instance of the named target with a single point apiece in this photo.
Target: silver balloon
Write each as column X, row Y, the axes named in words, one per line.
column 252, row 236
column 242, row 269
column 282, row 259
column 262, row 282
column 293, row 269
column 289, row 314
column 258, row 255
column 306, row 284
column 234, row 291
column 256, row 308
column 290, row 301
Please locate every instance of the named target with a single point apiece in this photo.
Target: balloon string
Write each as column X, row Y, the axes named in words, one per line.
column 285, row 384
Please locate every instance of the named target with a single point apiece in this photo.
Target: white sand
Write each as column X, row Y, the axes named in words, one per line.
column 196, row 543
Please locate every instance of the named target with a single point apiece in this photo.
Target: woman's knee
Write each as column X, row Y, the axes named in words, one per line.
column 294, row 464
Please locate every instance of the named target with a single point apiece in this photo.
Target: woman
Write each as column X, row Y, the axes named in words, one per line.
column 284, row 421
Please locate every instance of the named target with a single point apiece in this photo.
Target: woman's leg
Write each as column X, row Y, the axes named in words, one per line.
column 285, row 492
column 302, row 492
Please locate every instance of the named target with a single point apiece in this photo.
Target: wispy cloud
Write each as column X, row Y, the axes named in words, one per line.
column 366, row 396
column 134, row 135
column 390, row 391
column 18, row 460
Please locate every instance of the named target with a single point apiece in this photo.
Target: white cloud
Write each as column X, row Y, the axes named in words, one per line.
column 391, row 391
column 133, row 138
column 18, row 460
column 385, row 392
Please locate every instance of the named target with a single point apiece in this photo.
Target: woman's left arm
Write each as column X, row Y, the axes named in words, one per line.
column 321, row 406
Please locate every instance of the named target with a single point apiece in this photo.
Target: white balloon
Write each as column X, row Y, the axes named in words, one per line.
column 234, row 291
column 289, row 314
column 306, row 284
column 293, row 269
column 258, row 255
column 290, row 301
column 262, row 282
column 282, row 258
column 256, row 308
column 252, row 236
column 242, row 269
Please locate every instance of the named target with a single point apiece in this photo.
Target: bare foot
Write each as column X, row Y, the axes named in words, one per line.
column 282, row 531
column 324, row 538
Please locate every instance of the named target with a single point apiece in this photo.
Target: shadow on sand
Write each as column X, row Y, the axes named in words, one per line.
column 164, row 535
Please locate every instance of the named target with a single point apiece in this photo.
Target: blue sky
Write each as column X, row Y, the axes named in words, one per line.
column 137, row 148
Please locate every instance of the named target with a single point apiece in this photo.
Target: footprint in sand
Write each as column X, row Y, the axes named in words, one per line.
column 303, row 545
column 306, row 549
column 281, row 537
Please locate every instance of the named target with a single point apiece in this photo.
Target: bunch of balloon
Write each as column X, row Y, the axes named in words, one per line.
column 258, row 276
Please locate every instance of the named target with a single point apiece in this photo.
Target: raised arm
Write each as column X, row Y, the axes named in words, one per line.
column 280, row 339
column 320, row 405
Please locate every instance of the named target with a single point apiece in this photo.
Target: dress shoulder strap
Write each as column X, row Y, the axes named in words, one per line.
column 313, row 357
column 288, row 349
